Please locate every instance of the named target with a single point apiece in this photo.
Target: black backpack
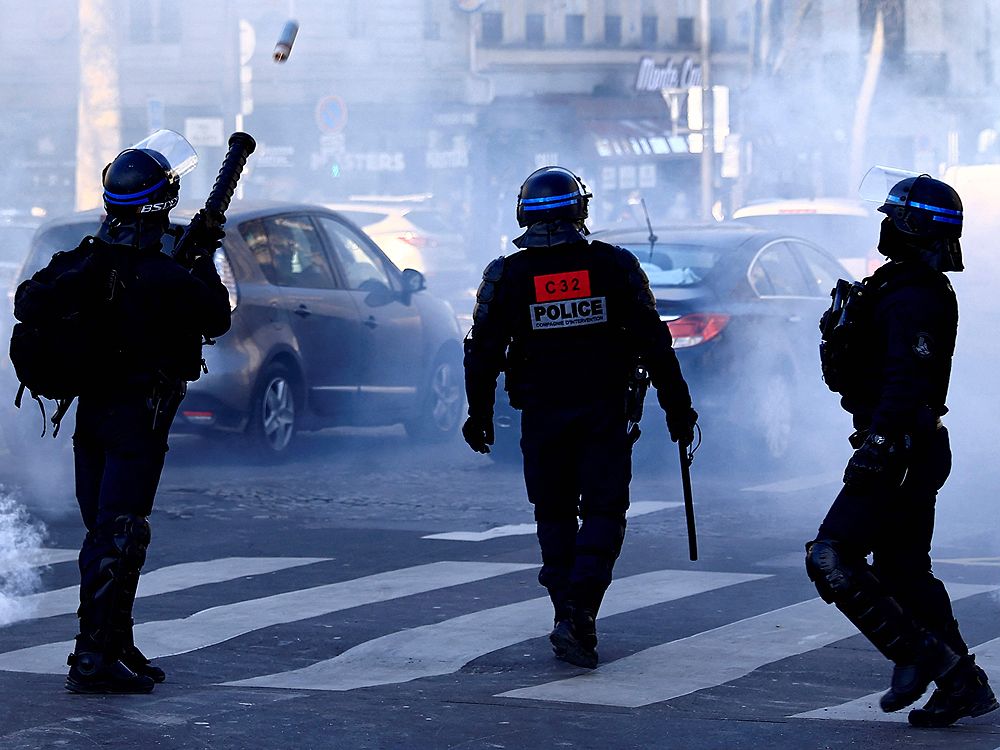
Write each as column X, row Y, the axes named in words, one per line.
column 59, row 358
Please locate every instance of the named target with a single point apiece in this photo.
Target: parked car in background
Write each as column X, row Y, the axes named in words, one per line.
column 415, row 235
column 742, row 305
column 847, row 229
column 16, row 231
column 326, row 331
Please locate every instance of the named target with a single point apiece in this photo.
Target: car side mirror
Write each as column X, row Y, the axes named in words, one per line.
column 413, row 281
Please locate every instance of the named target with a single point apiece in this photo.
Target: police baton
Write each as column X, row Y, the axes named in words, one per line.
column 687, row 457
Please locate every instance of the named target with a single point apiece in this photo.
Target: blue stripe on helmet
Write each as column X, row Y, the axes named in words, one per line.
column 937, row 209
column 551, row 198
column 548, row 206
column 946, row 219
column 125, row 199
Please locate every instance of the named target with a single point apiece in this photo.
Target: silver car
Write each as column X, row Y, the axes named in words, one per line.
column 326, row 331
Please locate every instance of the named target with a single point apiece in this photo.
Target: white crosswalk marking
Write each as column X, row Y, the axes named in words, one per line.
column 638, row 508
column 445, row 647
column 47, row 556
column 165, row 580
column 711, row 658
column 796, row 484
column 218, row 624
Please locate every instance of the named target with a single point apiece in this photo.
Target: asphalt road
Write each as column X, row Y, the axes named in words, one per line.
column 371, row 593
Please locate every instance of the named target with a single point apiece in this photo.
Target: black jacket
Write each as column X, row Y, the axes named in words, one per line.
column 907, row 346
column 152, row 312
column 566, row 323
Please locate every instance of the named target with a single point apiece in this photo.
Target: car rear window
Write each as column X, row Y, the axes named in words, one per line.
column 428, row 221
column 841, row 236
column 675, row 265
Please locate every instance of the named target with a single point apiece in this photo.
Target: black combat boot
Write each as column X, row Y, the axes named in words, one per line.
column 91, row 671
column 964, row 691
column 135, row 660
column 911, row 680
column 575, row 640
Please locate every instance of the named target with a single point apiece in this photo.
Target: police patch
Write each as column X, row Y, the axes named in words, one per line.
column 923, row 346
column 569, row 313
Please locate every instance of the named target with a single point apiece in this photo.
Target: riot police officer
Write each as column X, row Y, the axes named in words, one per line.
column 151, row 314
column 888, row 351
column 566, row 319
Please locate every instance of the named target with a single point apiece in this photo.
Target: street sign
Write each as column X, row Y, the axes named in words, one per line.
column 331, row 114
column 205, row 131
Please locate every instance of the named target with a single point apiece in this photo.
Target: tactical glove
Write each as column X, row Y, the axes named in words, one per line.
column 478, row 433
column 880, row 462
column 681, row 424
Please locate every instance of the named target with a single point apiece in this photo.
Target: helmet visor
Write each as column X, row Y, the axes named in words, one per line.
column 880, row 180
column 173, row 147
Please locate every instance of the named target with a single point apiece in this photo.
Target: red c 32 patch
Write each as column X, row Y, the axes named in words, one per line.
column 558, row 286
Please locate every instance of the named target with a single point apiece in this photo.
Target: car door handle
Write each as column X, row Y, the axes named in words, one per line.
column 303, row 312
column 371, row 322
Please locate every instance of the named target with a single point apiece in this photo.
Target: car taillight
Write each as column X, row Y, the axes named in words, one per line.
column 226, row 275
column 417, row 240
column 695, row 328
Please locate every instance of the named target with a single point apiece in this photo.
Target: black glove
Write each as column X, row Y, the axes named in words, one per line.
column 478, row 433
column 201, row 238
column 880, row 462
column 681, row 424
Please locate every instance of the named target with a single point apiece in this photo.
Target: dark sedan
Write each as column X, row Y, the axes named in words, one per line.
column 742, row 305
column 326, row 331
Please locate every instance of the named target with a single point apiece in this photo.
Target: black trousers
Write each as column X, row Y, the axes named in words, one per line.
column 119, row 457
column 577, row 464
column 896, row 528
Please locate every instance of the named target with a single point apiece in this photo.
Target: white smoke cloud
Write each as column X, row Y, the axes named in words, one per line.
column 20, row 539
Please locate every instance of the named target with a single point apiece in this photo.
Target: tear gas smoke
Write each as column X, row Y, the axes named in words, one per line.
column 20, row 539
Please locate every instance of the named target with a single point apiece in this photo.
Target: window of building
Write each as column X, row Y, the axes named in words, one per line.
column 574, row 29
column 650, row 34
column 432, row 23
column 717, row 30
column 613, row 30
column 534, row 28
column 492, row 28
column 685, row 32
column 154, row 21
column 894, row 19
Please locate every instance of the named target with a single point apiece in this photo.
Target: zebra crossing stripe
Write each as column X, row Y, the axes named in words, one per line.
column 38, row 558
column 445, row 647
column 165, row 580
column 211, row 626
column 638, row 508
column 710, row 658
column 866, row 708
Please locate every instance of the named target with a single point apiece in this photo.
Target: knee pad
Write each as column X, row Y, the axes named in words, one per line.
column 828, row 570
column 131, row 538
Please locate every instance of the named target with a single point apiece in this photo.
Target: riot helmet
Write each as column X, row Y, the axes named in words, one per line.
column 924, row 217
column 552, row 194
column 145, row 178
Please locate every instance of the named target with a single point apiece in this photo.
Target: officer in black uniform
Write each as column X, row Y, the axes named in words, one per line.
column 892, row 368
column 566, row 320
column 155, row 314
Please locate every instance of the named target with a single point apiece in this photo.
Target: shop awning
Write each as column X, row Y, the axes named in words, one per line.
column 640, row 138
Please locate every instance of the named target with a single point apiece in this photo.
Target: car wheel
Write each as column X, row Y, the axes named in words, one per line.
column 440, row 405
column 273, row 417
column 775, row 415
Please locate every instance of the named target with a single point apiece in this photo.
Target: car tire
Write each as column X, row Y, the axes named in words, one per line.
column 273, row 413
column 774, row 416
column 441, row 403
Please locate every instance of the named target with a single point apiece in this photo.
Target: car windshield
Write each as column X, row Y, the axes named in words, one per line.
column 675, row 265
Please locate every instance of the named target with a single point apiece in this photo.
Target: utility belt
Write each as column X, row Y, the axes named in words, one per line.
column 860, row 435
